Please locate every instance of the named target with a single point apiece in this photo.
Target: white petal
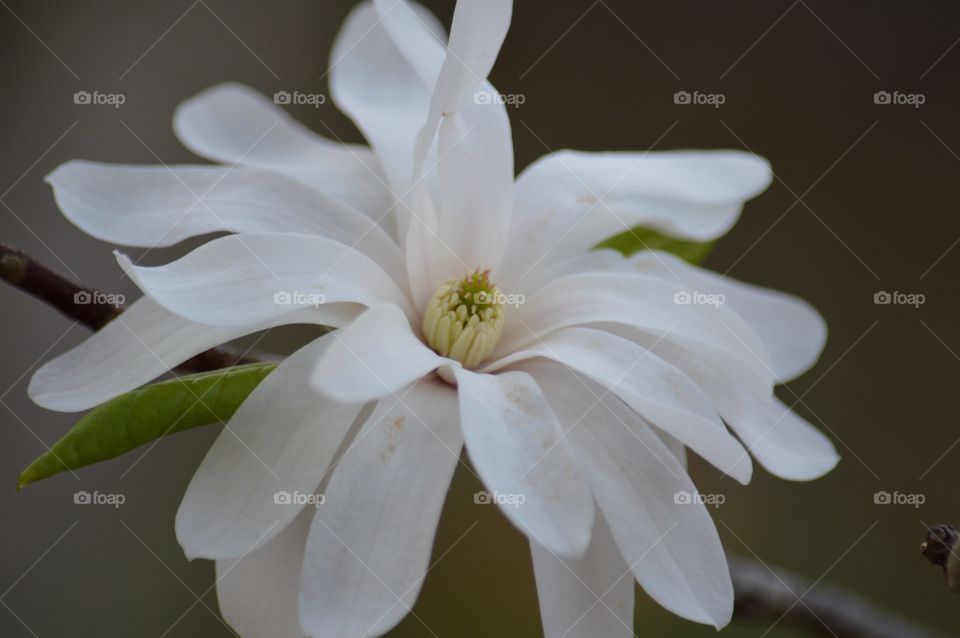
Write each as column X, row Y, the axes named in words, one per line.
column 281, row 440
column 792, row 331
column 597, row 260
column 672, row 547
column 518, row 449
column 370, row 543
column 678, row 449
column 257, row 593
column 478, row 30
column 425, row 253
column 418, row 36
column 162, row 205
column 415, row 33
column 641, row 301
column 658, row 391
column 460, row 209
column 589, row 597
column 475, row 171
column 474, row 149
column 376, row 355
column 373, row 83
column 234, row 124
column 136, row 347
column 246, row 279
column 698, row 360
column 476, row 35
column 569, row 201
column 785, row 444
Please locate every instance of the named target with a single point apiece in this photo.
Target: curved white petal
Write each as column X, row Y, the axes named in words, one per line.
column 642, row 301
column 246, row 279
column 425, row 253
column 668, row 345
column 370, row 543
column 376, row 355
column 141, row 344
column 657, row 390
column 420, row 40
column 280, row 441
column 476, row 35
column 257, row 592
column 475, row 173
column 417, row 35
column 569, row 201
column 519, row 451
column 234, row 124
column 598, row 260
column 474, row 148
column 698, row 360
column 671, row 546
column 163, row 205
column 792, row 331
column 678, row 449
column 373, row 83
column 589, row 597
column 784, row 443
column 478, row 30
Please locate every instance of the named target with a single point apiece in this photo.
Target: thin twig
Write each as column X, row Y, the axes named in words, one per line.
column 760, row 595
column 771, row 595
column 89, row 306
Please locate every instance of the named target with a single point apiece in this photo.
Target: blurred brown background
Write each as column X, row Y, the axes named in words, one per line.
column 878, row 198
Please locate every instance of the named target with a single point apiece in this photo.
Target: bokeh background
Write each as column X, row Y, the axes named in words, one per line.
column 865, row 201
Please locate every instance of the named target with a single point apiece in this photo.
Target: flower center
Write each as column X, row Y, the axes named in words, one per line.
column 464, row 318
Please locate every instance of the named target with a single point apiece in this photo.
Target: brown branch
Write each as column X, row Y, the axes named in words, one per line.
column 759, row 594
column 77, row 302
column 771, row 595
column 89, row 306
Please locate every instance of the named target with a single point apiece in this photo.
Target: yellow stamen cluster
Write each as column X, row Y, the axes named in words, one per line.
column 464, row 318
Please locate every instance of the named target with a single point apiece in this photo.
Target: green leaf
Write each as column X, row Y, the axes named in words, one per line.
column 640, row 238
column 132, row 419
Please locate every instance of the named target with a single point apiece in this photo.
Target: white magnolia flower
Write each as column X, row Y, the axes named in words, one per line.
column 470, row 312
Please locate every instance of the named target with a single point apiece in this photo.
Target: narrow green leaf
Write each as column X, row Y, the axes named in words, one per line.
column 640, row 238
column 132, row 419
